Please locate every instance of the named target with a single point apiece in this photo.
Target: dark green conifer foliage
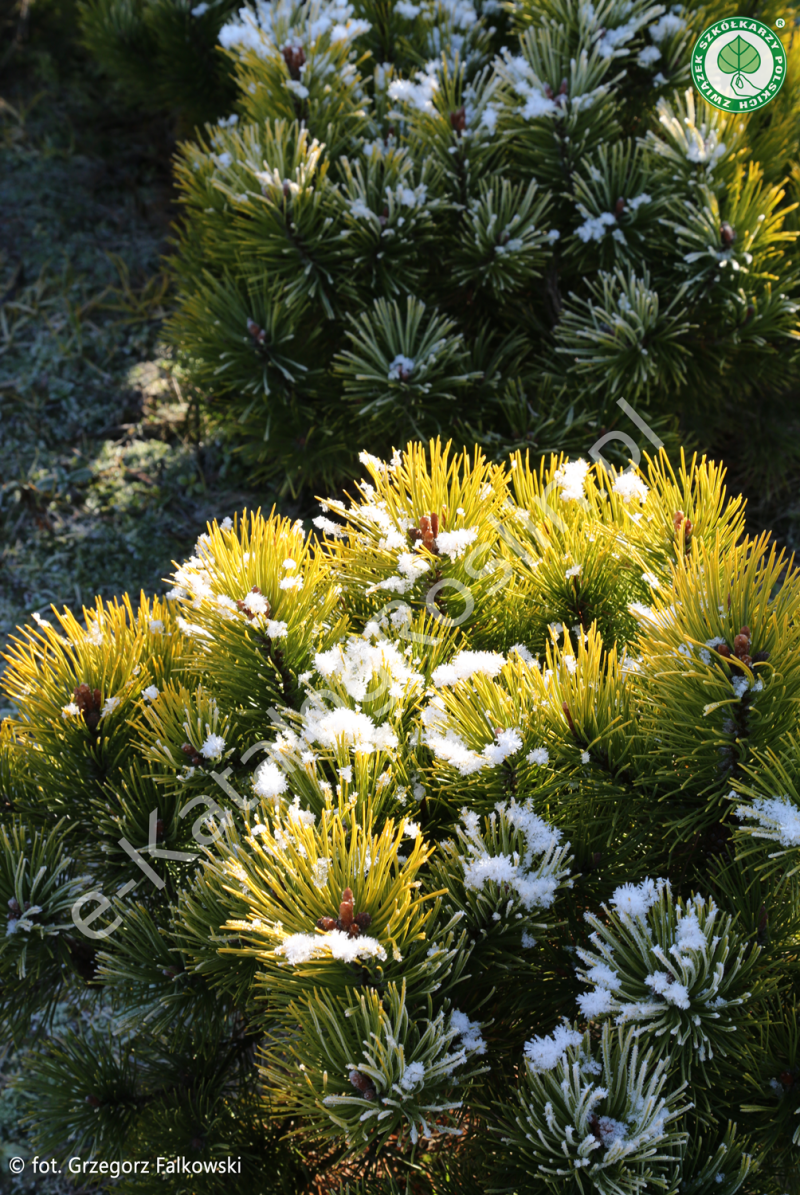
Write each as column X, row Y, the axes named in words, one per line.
column 491, row 221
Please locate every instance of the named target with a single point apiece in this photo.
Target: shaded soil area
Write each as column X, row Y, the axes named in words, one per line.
column 107, row 469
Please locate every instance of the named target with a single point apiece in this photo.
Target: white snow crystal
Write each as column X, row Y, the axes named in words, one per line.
column 635, row 900
column 150, row 693
column 411, row 566
column 301, row 948
column 603, row 976
column 419, row 94
column 594, row 227
column 665, row 985
column 539, row 756
column 329, row 527
column 400, row 362
column 255, row 603
column 465, row 664
column 648, row 56
column 523, row 653
column 269, row 781
column 351, row 727
column 455, row 543
column 630, row 485
column 571, row 477
column 355, row 661
column 668, row 24
column 469, row 1031
column 778, row 817
column 594, row 1004
column 690, row 936
column 213, row 747
column 452, row 748
column 508, row 742
column 545, row 1053
column 412, row 1076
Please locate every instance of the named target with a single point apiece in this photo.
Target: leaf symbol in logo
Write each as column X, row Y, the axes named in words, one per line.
column 739, row 58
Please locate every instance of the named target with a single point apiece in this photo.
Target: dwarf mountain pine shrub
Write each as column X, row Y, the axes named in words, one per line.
column 450, row 845
column 491, row 220
column 162, row 55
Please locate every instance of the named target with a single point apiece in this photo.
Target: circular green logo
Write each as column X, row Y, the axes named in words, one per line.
column 738, row 64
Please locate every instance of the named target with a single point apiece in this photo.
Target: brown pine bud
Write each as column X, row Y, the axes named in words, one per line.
column 568, row 715
column 326, row 923
column 362, row 920
column 294, row 57
column 93, row 1101
column 159, row 829
column 383, row 218
column 680, row 521
column 434, row 524
column 619, row 207
column 727, row 234
column 346, row 909
column 191, row 752
column 363, row 1084
column 786, row 1079
column 13, row 905
column 169, row 972
column 548, row 91
column 724, row 650
column 458, row 120
column 89, row 702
